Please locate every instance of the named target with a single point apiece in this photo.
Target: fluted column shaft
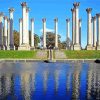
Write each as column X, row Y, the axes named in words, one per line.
column 68, row 28
column 98, row 31
column 76, row 44
column 44, row 33
column 20, row 32
column 32, row 32
column 11, row 10
column 1, row 31
column 24, row 32
column 5, row 31
column 27, row 24
column 80, row 26
column 76, row 5
column 91, row 32
column 89, row 41
column 94, row 31
column 8, row 36
column 56, row 32
column 73, row 26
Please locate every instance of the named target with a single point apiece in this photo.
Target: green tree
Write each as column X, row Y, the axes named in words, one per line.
column 63, row 45
column 36, row 39
column 16, row 38
column 50, row 40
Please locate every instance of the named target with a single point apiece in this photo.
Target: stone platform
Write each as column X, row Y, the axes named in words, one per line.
column 94, row 48
column 24, row 47
column 77, row 47
column 98, row 47
column 89, row 47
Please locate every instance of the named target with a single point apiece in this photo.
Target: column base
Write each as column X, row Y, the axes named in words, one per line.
column 66, row 48
column 12, row 47
column 72, row 47
column 4, row 47
column 94, row 48
column 89, row 47
column 77, row 47
column 24, row 47
column 8, row 48
column 32, row 48
column 44, row 48
column 1, row 47
column 56, row 48
column 98, row 47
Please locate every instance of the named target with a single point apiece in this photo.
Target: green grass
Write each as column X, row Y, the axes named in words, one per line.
column 83, row 54
column 18, row 54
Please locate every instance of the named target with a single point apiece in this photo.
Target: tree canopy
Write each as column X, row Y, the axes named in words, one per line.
column 16, row 38
column 50, row 41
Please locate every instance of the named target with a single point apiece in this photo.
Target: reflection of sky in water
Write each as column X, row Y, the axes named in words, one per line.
column 54, row 81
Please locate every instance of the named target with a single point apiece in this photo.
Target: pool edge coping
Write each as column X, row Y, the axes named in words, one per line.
column 41, row 60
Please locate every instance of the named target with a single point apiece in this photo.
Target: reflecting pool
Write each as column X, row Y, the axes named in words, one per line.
column 49, row 81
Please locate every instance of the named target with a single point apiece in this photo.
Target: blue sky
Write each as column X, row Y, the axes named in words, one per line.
column 51, row 9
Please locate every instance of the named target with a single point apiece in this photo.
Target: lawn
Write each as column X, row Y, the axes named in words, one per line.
column 18, row 54
column 83, row 54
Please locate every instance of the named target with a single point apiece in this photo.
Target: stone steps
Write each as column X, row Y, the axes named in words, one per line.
column 42, row 54
column 59, row 55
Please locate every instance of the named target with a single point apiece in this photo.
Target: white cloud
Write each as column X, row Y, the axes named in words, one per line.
column 47, row 30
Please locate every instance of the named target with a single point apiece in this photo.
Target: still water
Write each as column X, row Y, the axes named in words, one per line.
column 52, row 81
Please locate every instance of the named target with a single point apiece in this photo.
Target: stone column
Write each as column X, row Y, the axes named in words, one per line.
column 68, row 28
column 20, row 32
column 56, row 33
column 1, row 31
column 25, row 34
column 44, row 33
column 32, row 33
column 80, row 26
column 24, row 5
column 89, row 33
column 8, row 36
column 76, row 45
column 11, row 10
column 27, row 24
column 94, row 32
column 98, row 31
column 5, row 32
column 73, row 27
column 68, row 34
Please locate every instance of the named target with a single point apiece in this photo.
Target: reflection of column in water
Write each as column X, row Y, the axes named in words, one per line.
column 45, row 78
column 89, row 82
column 69, row 80
column 56, row 77
column 3, row 88
column 0, row 85
column 25, row 81
column 69, row 76
column 32, row 81
column 98, row 83
column 76, row 84
column 7, row 83
column 94, row 80
column 12, row 84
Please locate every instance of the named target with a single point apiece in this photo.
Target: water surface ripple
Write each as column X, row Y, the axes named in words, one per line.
column 49, row 81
